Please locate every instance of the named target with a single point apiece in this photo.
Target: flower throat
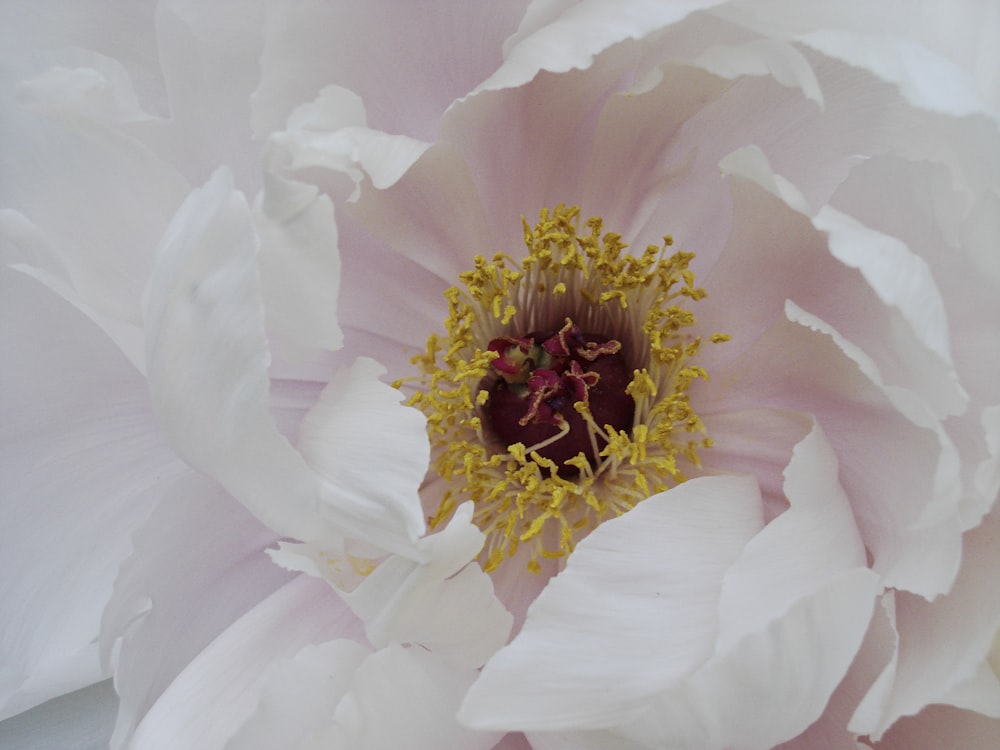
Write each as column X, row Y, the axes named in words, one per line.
column 558, row 395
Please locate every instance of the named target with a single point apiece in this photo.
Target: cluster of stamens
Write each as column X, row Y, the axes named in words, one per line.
column 558, row 396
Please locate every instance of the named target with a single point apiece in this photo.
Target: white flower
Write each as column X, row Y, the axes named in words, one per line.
column 822, row 578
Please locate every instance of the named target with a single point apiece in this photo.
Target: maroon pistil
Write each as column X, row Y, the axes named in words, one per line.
column 542, row 376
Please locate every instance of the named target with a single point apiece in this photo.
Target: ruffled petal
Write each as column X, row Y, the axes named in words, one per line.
column 710, row 710
column 943, row 642
column 651, row 578
column 445, row 604
column 796, row 553
column 559, row 37
column 208, row 360
column 355, row 418
column 432, row 54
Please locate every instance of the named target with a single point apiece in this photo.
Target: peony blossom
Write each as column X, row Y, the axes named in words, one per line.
column 583, row 374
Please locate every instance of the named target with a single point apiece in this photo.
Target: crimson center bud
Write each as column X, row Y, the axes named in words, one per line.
column 557, row 393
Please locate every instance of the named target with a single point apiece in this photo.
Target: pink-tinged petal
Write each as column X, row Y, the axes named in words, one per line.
column 757, row 442
column 431, row 53
column 937, row 521
column 796, row 553
column 938, row 727
column 432, row 216
column 942, row 642
column 82, row 465
column 809, row 368
column 643, row 175
column 562, row 36
column 218, row 690
column 875, row 308
column 899, row 277
column 652, row 579
column 930, row 212
column 78, row 721
column 390, row 327
column 356, row 418
column 198, row 565
column 790, row 678
column 208, row 361
column 515, row 741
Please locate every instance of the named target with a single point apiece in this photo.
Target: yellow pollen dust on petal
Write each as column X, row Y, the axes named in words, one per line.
column 521, row 497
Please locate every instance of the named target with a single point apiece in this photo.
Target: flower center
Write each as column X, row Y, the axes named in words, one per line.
column 558, row 396
column 539, row 380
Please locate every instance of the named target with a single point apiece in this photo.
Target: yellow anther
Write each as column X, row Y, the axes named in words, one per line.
column 520, row 496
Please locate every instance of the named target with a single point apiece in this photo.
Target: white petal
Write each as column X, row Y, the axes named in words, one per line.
column 943, row 642
column 763, row 57
column 298, row 696
column 208, row 361
column 446, row 605
column 910, row 564
column 892, row 470
column 900, row 278
column 95, row 227
column 634, row 612
column 980, row 693
column 299, row 266
column 354, row 151
column 924, row 78
column 372, row 452
column 227, row 675
column 83, row 465
column 791, row 667
column 796, row 553
column 198, row 564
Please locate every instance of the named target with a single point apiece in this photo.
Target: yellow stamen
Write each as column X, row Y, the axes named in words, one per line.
column 519, row 495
